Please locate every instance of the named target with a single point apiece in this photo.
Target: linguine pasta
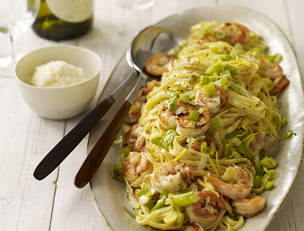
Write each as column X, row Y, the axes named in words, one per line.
column 196, row 152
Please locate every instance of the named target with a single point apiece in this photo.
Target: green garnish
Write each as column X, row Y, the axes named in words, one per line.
column 166, row 140
column 185, row 199
column 268, row 162
column 194, row 116
column 212, row 151
column 268, row 177
column 158, row 141
column 215, row 69
column 159, row 204
column 117, row 171
column 288, row 134
column 257, row 181
column 246, row 153
column 186, row 99
column 224, row 82
column 231, row 69
column 204, row 147
column 230, row 151
column 204, row 80
column 269, row 185
column 259, row 171
column 210, row 90
column 172, row 106
column 214, row 125
column 225, row 57
column 219, row 67
column 172, row 103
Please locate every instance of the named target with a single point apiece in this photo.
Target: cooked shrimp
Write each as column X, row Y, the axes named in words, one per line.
column 166, row 118
column 181, row 121
column 238, row 190
column 212, row 103
column 261, row 141
column 135, row 110
column 134, row 113
column 171, row 177
column 270, row 69
column 280, row 86
column 206, row 210
column 142, row 95
column 195, row 144
column 150, row 86
column 187, row 127
column 235, row 32
column 249, row 207
column 193, row 227
column 134, row 139
column 209, row 38
column 157, row 64
column 223, row 95
column 134, row 165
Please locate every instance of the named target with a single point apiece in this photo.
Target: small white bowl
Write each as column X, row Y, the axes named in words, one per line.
column 58, row 102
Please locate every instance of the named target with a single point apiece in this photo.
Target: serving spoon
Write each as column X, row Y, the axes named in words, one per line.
column 142, row 47
column 151, row 41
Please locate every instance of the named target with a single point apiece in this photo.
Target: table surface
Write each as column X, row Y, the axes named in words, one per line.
column 54, row 203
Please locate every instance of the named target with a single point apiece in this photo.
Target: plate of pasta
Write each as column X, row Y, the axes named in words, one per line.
column 214, row 143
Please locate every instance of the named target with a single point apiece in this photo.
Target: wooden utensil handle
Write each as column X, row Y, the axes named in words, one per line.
column 72, row 139
column 101, row 148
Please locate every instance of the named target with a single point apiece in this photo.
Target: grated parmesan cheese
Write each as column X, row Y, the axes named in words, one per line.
column 57, row 74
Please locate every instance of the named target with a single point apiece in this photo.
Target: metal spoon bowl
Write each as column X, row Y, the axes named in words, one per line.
column 148, row 42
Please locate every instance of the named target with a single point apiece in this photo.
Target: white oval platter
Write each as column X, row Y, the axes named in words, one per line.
column 109, row 194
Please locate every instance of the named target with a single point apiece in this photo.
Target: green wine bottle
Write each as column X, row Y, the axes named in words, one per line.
column 63, row 19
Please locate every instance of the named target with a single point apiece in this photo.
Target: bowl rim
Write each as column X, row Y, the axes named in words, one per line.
column 96, row 74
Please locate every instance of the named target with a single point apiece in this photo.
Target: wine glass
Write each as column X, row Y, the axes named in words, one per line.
column 16, row 16
column 136, row 4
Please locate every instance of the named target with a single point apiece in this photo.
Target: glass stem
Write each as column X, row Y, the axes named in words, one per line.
column 12, row 46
